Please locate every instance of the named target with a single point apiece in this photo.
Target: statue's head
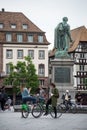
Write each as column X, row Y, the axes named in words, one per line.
column 65, row 19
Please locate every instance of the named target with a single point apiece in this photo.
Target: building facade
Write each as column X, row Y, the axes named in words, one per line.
column 20, row 37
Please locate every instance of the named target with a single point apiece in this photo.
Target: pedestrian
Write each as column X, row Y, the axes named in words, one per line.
column 53, row 99
column 8, row 103
column 3, row 98
column 0, row 99
column 78, row 98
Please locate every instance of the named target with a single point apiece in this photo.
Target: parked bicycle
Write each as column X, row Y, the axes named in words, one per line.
column 68, row 107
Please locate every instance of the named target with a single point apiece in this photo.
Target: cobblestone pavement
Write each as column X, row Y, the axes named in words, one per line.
column 13, row 121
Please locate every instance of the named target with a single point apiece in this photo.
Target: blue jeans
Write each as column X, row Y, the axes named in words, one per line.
column 29, row 98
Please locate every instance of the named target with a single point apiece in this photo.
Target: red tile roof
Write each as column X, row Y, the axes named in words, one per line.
column 78, row 34
column 19, row 19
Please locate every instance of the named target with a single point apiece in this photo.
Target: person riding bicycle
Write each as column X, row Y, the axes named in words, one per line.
column 66, row 99
column 53, row 99
column 26, row 95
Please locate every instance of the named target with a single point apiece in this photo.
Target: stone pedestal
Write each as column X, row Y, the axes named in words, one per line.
column 62, row 74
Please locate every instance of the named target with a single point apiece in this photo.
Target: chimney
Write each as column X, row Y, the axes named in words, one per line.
column 3, row 10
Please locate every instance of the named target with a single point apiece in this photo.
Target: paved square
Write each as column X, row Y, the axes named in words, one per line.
column 13, row 121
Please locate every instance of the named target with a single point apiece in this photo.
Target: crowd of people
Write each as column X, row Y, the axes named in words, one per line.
column 6, row 101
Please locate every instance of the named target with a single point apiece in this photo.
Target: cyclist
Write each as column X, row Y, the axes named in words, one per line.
column 66, row 99
column 53, row 99
column 26, row 95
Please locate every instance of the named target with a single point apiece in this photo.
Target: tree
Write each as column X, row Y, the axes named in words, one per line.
column 22, row 73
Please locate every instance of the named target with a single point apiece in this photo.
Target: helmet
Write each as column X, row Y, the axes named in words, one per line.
column 67, row 91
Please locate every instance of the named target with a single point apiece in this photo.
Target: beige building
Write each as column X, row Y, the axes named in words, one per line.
column 20, row 37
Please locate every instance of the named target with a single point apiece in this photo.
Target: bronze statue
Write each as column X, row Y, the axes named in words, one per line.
column 62, row 38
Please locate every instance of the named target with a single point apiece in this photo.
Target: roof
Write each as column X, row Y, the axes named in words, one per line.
column 78, row 35
column 19, row 19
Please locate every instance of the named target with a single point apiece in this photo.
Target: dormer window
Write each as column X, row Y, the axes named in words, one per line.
column 1, row 25
column 25, row 26
column 13, row 26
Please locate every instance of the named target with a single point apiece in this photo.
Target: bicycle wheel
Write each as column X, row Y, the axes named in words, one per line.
column 62, row 107
column 52, row 113
column 25, row 111
column 36, row 111
column 73, row 108
column 59, row 113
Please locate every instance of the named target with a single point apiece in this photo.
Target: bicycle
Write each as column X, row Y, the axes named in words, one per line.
column 27, row 108
column 42, row 109
column 68, row 107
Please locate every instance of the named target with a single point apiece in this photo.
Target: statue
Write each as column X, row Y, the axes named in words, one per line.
column 62, row 39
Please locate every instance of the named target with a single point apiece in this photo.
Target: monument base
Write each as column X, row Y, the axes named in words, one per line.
column 62, row 74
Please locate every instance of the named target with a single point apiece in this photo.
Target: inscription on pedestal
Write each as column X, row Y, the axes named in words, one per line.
column 62, row 75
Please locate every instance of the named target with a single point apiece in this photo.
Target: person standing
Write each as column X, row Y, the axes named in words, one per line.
column 8, row 103
column 53, row 99
column 78, row 98
column 3, row 97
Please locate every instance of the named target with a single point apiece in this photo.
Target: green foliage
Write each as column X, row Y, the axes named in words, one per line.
column 23, row 73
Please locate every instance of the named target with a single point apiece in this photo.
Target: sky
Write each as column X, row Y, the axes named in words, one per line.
column 46, row 14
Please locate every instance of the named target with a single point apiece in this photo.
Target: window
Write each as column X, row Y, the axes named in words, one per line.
column 13, row 26
column 9, row 54
column 30, row 38
column 81, row 67
column 7, row 68
column 20, row 54
column 41, row 70
column 41, row 54
column 1, row 25
column 8, row 37
column 81, row 55
column 25, row 26
column 41, row 82
column 40, row 39
column 31, row 53
column 19, row 38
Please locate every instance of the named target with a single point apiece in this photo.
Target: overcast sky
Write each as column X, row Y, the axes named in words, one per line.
column 46, row 14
